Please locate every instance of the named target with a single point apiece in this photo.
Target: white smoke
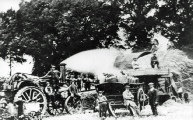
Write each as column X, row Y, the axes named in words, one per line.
column 99, row 61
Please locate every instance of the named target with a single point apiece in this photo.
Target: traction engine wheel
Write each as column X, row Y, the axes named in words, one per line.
column 32, row 94
column 72, row 107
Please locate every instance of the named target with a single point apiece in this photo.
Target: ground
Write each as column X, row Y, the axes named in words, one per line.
column 168, row 111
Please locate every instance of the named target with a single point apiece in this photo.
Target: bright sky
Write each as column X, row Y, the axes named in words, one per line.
column 7, row 4
column 4, row 65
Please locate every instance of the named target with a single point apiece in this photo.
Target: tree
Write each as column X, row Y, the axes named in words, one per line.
column 52, row 30
column 137, row 22
column 177, row 22
column 10, row 46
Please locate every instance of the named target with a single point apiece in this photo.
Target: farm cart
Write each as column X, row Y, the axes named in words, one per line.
column 31, row 89
column 113, row 93
column 162, row 79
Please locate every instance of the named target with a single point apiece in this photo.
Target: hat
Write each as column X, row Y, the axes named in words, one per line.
column 127, row 86
column 151, row 83
column 100, row 91
column 53, row 66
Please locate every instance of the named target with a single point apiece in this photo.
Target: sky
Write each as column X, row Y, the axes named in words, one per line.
column 7, row 4
column 4, row 64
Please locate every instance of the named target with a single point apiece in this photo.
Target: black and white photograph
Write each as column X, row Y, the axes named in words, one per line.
column 96, row 59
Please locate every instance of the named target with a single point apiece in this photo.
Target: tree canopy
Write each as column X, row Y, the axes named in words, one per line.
column 52, row 30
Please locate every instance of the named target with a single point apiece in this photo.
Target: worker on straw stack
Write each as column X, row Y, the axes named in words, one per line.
column 129, row 100
column 153, row 98
column 154, row 46
column 154, row 61
column 135, row 64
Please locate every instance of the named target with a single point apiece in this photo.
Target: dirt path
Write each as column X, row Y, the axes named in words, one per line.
column 170, row 111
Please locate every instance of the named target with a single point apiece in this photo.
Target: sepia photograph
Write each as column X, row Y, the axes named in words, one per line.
column 96, row 59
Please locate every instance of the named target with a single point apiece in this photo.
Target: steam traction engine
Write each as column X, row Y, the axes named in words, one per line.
column 31, row 89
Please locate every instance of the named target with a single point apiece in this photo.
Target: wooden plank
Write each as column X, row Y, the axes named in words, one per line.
column 148, row 71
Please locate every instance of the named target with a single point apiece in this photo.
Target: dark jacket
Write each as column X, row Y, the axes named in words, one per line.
column 153, row 96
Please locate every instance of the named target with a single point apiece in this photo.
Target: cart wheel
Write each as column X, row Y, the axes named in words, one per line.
column 118, row 112
column 71, row 107
column 55, row 107
column 32, row 94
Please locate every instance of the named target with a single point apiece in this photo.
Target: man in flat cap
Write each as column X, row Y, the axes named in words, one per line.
column 129, row 100
column 153, row 98
column 102, row 101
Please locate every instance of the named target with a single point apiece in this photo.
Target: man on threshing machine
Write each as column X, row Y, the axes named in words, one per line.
column 153, row 98
column 129, row 100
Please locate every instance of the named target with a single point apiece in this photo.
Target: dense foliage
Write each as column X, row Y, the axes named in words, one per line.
column 52, row 30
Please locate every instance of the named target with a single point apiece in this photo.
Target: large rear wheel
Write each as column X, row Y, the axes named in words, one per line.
column 34, row 96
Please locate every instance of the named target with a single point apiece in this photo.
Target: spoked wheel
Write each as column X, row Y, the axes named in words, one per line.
column 73, row 107
column 118, row 111
column 32, row 95
column 55, row 107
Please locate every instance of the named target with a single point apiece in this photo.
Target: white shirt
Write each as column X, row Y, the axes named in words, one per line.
column 135, row 64
column 180, row 90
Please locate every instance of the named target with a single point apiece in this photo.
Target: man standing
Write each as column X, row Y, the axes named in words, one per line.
column 154, row 61
column 49, row 91
column 79, row 82
column 74, row 91
column 102, row 101
column 186, row 98
column 87, row 83
column 153, row 98
column 55, row 76
column 129, row 100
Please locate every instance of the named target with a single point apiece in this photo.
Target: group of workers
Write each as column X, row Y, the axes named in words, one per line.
column 82, row 81
column 128, row 98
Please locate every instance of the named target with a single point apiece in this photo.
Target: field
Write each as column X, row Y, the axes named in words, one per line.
column 168, row 111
